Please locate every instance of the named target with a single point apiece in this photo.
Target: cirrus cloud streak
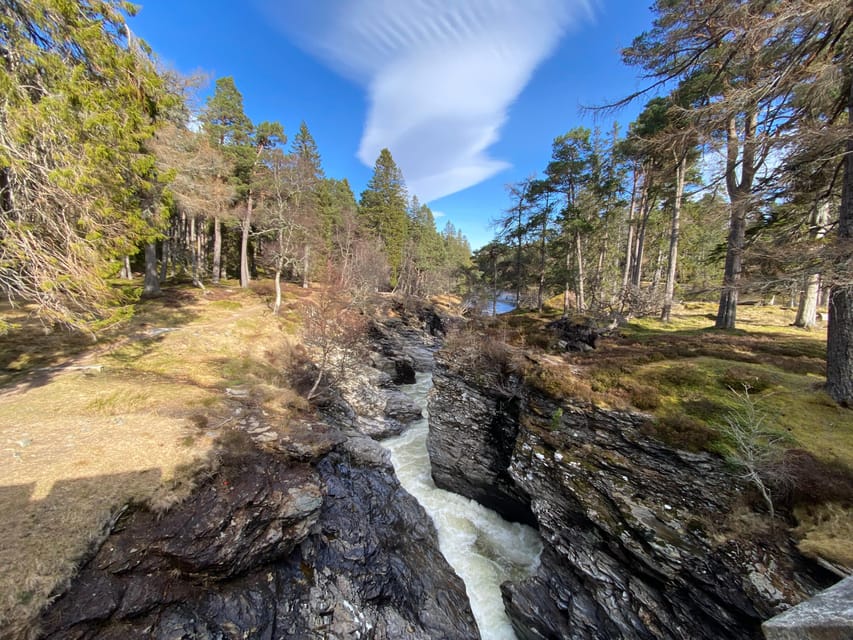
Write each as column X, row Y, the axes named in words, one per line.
column 440, row 74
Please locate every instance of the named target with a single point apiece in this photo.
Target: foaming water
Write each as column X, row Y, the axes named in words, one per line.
column 483, row 548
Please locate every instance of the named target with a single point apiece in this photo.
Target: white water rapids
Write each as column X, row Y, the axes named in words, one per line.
column 483, row 548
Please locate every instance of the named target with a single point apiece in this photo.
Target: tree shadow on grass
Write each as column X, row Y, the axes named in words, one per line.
column 642, row 345
column 33, row 353
column 46, row 537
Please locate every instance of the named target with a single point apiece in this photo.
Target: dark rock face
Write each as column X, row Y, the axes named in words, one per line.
column 271, row 548
column 472, row 434
column 580, row 336
column 374, row 562
column 634, row 534
column 377, row 408
column 403, row 348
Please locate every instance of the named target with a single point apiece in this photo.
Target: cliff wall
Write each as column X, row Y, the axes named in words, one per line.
column 641, row 540
column 304, row 535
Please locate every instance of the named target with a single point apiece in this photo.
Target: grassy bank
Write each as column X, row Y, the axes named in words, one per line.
column 87, row 427
column 691, row 379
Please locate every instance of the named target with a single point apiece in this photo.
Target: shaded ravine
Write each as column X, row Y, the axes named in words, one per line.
column 483, row 548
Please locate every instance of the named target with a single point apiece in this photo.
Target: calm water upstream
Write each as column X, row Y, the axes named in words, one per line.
column 483, row 548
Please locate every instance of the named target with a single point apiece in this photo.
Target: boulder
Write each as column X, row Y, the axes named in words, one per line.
column 827, row 616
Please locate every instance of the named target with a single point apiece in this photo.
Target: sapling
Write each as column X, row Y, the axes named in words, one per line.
column 755, row 447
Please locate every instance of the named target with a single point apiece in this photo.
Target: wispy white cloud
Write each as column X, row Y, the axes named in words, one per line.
column 440, row 74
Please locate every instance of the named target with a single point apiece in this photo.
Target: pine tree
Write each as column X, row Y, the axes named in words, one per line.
column 569, row 174
column 306, row 182
column 229, row 128
column 383, row 208
column 79, row 99
column 227, row 123
column 265, row 137
column 723, row 49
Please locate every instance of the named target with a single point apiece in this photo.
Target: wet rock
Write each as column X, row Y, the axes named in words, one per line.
column 269, row 548
column 378, row 428
column 575, row 336
column 635, row 542
column 373, row 568
column 255, row 512
column 404, row 370
column 472, row 432
column 406, row 347
column 400, row 407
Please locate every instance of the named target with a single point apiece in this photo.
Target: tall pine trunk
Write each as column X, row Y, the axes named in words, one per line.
column 739, row 192
column 580, row 272
column 807, row 309
column 727, row 310
column 494, row 287
column 669, row 290
column 639, row 253
column 164, row 261
column 629, row 249
column 541, row 286
column 306, row 265
column 568, row 288
column 126, row 273
column 277, row 304
column 839, row 345
column 151, row 284
column 194, row 250
column 246, row 227
column 216, row 270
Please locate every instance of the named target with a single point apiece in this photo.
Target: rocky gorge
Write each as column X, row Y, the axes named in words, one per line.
column 313, row 536
column 307, row 536
column 640, row 539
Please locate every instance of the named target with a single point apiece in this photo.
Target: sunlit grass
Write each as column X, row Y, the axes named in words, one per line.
column 130, row 421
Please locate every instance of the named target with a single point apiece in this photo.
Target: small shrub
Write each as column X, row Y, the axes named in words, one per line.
column 681, row 431
column 754, row 448
column 199, row 421
column 556, row 417
column 704, row 409
column 559, row 383
column 751, row 380
column 803, row 479
column 476, row 349
column 539, row 340
column 681, row 375
column 605, row 380
column 643, row 396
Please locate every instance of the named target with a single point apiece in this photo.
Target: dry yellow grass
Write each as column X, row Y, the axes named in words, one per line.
column 132, row 420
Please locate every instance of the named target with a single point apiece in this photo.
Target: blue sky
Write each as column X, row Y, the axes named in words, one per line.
column 467, row 94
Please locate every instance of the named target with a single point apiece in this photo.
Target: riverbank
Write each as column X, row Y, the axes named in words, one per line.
column 249, row 526
column 648, row 531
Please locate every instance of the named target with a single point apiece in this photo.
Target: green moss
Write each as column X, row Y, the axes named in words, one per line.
column 556, row 417
column 228, row 305
column 682, row 432
column 754, row 379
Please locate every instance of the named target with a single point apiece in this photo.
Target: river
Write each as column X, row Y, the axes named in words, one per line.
column 483, row 548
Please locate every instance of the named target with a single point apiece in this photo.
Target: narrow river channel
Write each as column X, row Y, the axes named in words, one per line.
column 483, row 548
